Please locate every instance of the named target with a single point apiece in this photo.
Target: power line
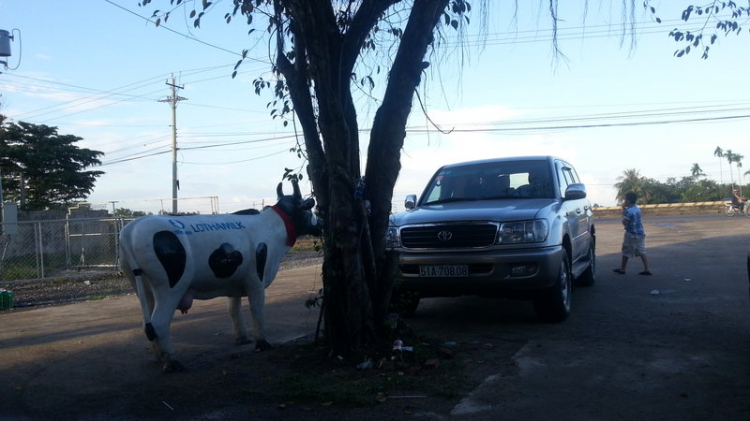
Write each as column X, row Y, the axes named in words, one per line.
column 190, row 37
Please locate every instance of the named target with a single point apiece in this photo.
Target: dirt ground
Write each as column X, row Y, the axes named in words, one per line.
column 81, row 359
column 672, row 346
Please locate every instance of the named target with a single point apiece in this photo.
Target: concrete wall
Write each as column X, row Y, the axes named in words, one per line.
column 666, row 209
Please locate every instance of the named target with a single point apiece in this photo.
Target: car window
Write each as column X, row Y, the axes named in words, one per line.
column 494, row 180
column 567, row 176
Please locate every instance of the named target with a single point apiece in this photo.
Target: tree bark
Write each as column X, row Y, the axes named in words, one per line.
column 389, row 131
column 356, row 292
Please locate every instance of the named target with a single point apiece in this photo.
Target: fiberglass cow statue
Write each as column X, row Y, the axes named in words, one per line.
column 171, row 260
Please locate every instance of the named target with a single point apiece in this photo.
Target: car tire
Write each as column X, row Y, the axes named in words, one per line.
column 588, row 277
column 552, row 305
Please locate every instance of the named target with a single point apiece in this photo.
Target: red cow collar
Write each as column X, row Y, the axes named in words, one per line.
column 291, row 232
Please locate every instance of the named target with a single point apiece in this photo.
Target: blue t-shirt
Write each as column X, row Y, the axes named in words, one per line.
column 633, row 216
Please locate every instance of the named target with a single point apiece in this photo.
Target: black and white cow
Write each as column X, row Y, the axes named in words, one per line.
column 171, row 260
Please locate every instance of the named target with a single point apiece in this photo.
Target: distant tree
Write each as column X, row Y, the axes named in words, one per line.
column 696, row 171
column 729, row 155
column 125, row 212
column 43, row 169
column 654, row 191
column 719, row 153
column 702, row 191
column 738, row 162
column 630, row 180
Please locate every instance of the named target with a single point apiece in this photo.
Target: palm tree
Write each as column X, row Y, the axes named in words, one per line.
column 630, row 180
column 719, row 153
column 730, row 157
column 738, row 160
column 696, row 171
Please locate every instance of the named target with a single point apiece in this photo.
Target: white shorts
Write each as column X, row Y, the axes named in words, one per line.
column 633, row 245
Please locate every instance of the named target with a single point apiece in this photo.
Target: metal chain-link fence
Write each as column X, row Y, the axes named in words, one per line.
column 59, row 248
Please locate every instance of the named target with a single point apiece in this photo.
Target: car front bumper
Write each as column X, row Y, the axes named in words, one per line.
column 492, row 272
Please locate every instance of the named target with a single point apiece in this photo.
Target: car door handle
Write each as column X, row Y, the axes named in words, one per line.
column 579, row 211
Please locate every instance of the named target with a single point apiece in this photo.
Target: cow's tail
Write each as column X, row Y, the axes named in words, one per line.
column 148, row 327
column 132, row 265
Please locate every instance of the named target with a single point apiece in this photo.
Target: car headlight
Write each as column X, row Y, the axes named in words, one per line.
column 392, row 238
column 522, row 232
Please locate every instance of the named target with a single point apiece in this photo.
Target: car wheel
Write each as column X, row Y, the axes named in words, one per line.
column 588, row 277
column 552, row 305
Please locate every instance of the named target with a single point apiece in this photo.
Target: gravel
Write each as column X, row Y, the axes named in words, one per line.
column 88, row 286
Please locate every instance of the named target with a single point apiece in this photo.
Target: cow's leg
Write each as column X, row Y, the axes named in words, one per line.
column 234, row 307
column 257, row 298
column 161, row 319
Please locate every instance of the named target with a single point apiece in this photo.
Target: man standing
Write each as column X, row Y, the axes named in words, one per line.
column 737, row 200
column 634, row 239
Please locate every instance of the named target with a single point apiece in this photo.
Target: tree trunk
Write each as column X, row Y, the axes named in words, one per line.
column 388, row 133
column 357, row 281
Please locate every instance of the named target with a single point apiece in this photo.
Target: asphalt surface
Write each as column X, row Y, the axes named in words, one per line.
column 671, row 346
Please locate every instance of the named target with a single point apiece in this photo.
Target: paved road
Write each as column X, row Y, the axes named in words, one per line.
column 624, row 354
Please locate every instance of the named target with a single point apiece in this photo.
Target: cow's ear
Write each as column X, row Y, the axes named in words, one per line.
column 307, row 204
column 279, row 191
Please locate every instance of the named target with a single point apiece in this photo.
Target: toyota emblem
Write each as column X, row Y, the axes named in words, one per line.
column 445, row 235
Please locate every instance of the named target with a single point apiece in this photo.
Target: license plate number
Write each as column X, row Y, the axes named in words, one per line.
column 443, row 271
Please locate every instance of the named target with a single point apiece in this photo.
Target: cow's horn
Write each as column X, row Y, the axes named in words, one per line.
column 297, row 193
column 279, row 192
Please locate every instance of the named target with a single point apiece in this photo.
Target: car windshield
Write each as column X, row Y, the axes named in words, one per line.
column 490, row 181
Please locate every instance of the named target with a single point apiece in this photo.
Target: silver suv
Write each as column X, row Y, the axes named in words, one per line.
column 515, row 227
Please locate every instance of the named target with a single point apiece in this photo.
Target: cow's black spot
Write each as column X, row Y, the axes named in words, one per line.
column 224, row 261
column 260, row 259
column 171, row 254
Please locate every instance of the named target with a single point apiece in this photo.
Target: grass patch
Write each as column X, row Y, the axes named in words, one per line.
column 307, row 243
column 307, row 375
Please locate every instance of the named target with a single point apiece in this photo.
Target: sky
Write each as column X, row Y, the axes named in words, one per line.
column 99, row 70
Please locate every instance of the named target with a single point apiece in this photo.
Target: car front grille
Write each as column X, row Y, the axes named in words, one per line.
column 449, row 236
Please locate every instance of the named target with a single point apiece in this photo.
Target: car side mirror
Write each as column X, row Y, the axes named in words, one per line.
column 575, row 191
column 410, row 202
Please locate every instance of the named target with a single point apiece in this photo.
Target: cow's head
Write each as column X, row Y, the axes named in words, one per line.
column 298, row 211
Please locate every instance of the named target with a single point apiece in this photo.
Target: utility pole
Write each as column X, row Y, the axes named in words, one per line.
column 173, row 100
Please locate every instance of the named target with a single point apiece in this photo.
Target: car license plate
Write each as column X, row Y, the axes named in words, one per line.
column 443, row 271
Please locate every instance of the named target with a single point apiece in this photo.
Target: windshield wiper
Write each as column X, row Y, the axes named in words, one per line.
column 450, row 200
